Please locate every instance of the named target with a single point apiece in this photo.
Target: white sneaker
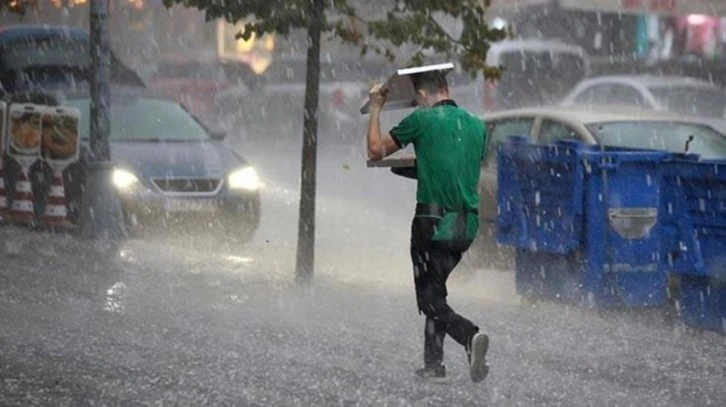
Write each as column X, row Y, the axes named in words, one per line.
column 478, row 368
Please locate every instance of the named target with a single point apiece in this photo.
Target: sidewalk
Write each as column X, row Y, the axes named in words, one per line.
column 206, row 328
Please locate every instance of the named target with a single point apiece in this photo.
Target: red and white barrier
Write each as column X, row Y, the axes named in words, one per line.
column 22, row 210
column 59, row 124
column 23, row 145
column 56, row 211
column 30, row 133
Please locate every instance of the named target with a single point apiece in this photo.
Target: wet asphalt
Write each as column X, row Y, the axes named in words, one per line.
column 166, row 319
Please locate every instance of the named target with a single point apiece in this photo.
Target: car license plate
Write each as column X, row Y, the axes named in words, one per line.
column 190, row 205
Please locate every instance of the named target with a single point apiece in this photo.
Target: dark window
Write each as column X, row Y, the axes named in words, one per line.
column 624, row 95
column 597, row 94
column 499, row 130
column 510, row 127
column 552, row 131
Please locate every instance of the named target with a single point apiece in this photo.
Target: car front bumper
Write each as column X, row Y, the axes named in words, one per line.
column 231, row 211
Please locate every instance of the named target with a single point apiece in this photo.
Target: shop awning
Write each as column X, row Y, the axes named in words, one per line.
column 673, row 7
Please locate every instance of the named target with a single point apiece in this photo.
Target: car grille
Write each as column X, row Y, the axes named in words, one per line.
column 187, row 185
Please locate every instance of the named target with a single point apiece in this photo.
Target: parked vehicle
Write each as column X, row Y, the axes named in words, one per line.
column 687, row 96
column 36, row 57
column 535, row 73
column 169, row 169
column 595, row 125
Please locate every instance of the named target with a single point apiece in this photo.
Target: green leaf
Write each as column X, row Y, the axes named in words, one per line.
column 398, row 24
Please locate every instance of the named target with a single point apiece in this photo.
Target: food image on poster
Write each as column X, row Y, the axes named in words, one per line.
column 25, row 129
column 60, row 134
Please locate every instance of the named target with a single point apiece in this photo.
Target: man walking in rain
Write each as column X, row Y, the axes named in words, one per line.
column 449, row 144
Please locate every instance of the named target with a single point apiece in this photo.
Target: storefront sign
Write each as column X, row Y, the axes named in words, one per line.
column 673, row 7
column 667, row 6
column 520, row 3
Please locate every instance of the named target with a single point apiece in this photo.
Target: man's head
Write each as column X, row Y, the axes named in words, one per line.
column 430, row 87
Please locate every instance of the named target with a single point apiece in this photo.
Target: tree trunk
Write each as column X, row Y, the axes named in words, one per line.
column 101, row 217
column 306, row 223
column 100, row 80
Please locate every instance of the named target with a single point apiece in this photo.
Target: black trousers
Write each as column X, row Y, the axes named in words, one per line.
column 433, row 261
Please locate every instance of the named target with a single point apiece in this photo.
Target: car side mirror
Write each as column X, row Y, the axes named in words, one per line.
column 218, row 134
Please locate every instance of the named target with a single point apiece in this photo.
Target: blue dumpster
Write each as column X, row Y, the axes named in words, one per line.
column 703, row 302
column 584, row 221
column 694, row 219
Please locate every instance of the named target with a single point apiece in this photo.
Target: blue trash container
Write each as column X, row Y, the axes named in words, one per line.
column 703, row 302
column 584, row 221
column 539, row 198
column 694, row 219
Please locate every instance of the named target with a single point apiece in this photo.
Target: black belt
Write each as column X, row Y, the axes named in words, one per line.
column 436, row 210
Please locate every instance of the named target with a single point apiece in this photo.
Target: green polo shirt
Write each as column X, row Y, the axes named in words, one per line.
column 449, row 143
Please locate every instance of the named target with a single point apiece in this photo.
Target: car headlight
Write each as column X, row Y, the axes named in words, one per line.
column 123, row 179
column 246, row 179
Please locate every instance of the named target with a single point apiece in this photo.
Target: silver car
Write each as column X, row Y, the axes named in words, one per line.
column 686, row 96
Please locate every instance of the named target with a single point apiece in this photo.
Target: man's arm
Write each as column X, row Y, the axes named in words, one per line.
column 379, row 145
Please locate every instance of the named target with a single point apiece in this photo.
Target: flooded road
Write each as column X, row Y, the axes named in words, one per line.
column 183, row 320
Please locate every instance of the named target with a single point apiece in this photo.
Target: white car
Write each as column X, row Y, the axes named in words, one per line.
column 686, row 96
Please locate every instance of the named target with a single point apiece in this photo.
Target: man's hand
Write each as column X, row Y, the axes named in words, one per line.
column 377, row 96
column 379, row 145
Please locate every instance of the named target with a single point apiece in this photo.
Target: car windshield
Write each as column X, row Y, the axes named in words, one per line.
column 669, row 136
column 709, row 102
column 140, row 119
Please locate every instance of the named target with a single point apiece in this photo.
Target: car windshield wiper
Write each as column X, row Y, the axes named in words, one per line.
column 688, row 143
